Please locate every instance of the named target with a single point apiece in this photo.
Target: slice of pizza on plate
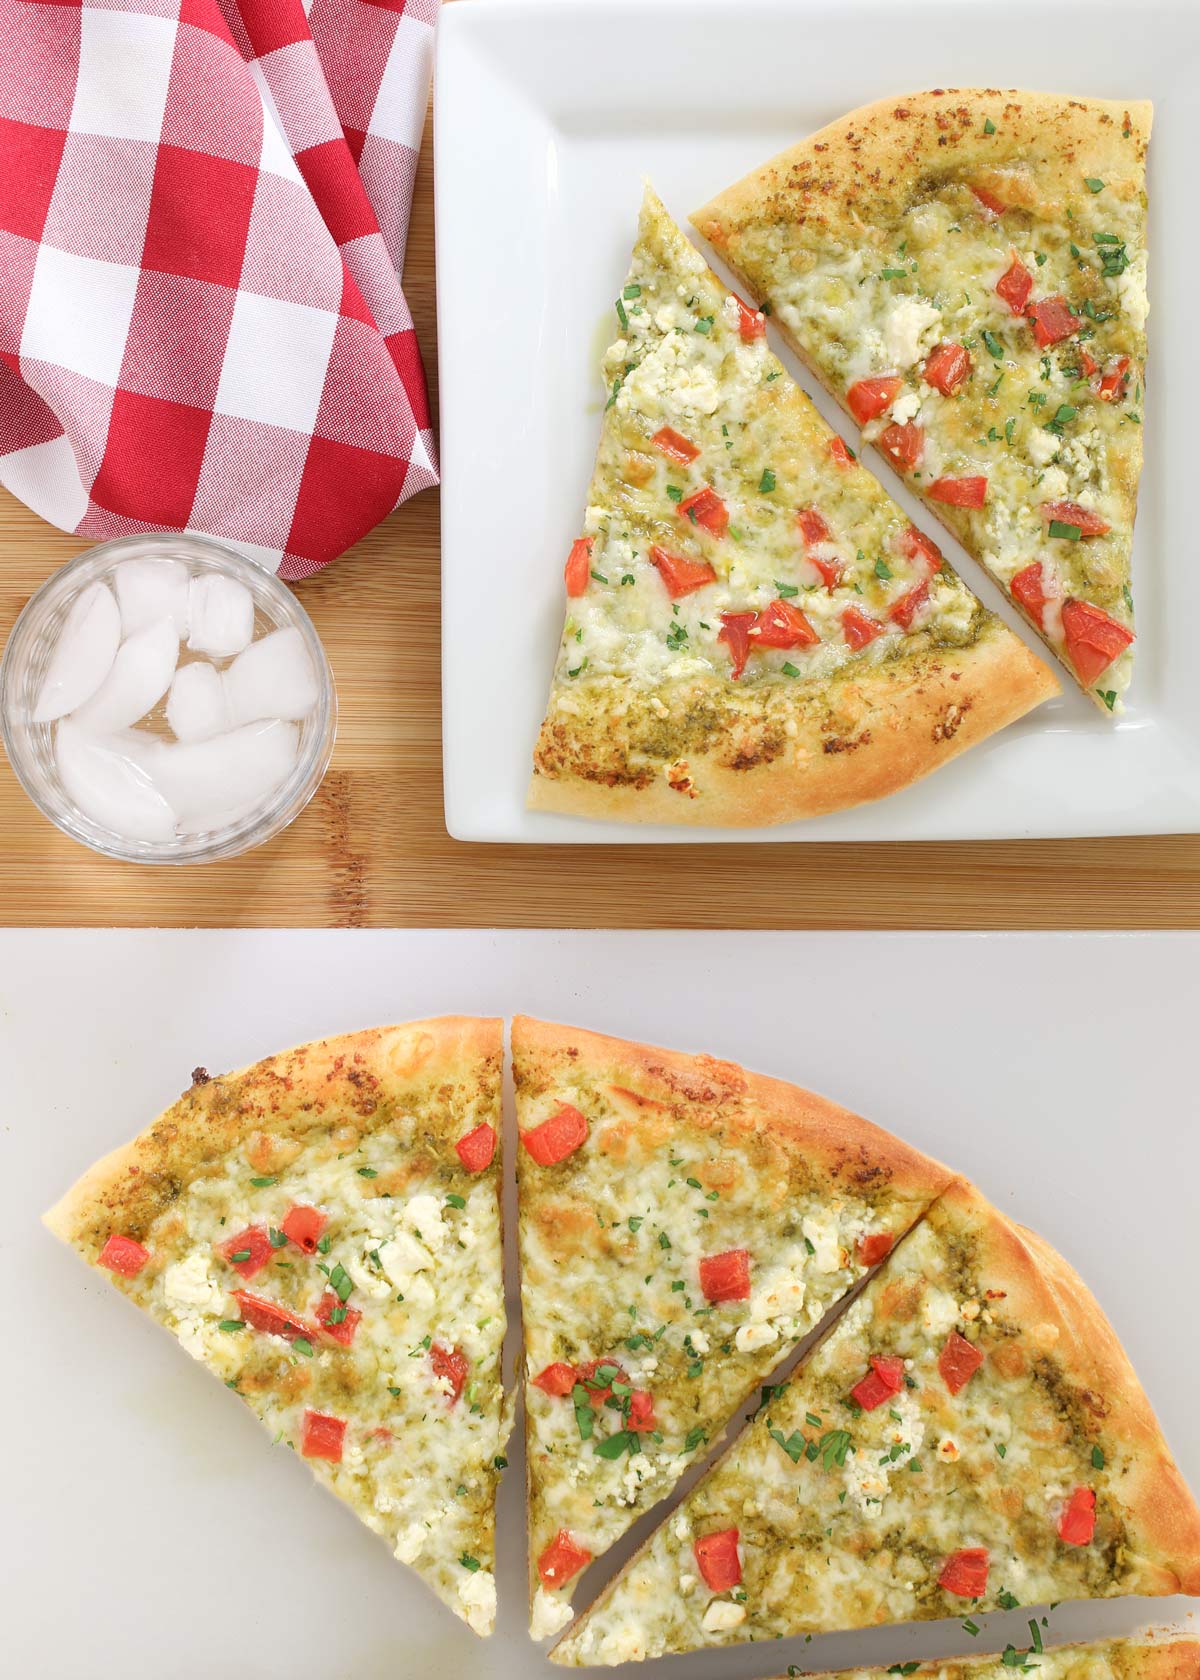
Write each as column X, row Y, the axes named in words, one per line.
column 971, row 1435
column 965, row 270
column 322, row 1232
column 683, row 1224
column 1170, row 1657
column 755, row 632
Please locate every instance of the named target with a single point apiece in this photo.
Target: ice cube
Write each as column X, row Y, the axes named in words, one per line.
column 227, row 774
column 148, row 590
column 196, row 705
column 273, row 678
column 110, row 785
column 220, row 615
column 83, row 654
column 140, row 676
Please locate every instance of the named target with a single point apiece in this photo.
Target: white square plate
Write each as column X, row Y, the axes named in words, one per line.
column 150, row 1530
column 549, row 114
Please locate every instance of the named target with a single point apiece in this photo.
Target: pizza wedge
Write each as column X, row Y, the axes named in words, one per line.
column 970, row 1435
column 965, row 271
column 1167, row 1658
column 683, row 1224
column 322, row 1232
column 755, row 632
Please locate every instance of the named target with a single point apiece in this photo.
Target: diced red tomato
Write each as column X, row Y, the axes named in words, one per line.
column 598, row 1376
column 735, row 633
column 322, row 1436
column 840, row 452
column 915, row 545
column 968, row 492
column 557, row 1137
column 675, row 445
column 123, row 1256
column 1087, row 523
column 830, row 570
column 557, row 1379
column 965, row 1573
column 717, row 1560
column 751, row 324
column 910, row 606
column 476, row 1149
column 726, row 1277
column 270, row 1317
column 681, row 575
column 867, row 399
column 989, row 202
column 904, row 445
column 1115, row 380
column 1029, row 590
column 1015, row 285
column 859, row 628
column 1087, row 364
column 253, row 1244
column 562, row 1559
column 452, row 1364
column 1077, row 1524
column 641, row 1411
column 946, row 367
column 1052, row 321
column 1093, row 639
column 342, row 1330
column 958, row 1362
column 813, row 527
column 705, row 507
column 579, row 565
column 781, row 625
column 885, row 1378
column 874, row 1247
column 303, row 1225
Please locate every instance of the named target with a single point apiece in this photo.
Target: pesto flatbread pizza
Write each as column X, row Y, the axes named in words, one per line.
column 755, row 632
column 971, row 1435
column 965, row 270
column 1169, row 1658
column 322, row 1232
column 683, row 1223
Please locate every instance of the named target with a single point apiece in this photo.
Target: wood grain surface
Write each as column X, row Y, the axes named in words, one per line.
column 372, row 849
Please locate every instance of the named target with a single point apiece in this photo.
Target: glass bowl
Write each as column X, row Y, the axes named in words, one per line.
column 30, row 745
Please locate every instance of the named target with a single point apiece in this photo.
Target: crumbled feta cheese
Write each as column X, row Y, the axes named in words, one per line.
column 823, row 1235
column 477, row 1595
column 410, row 1542
column 782, row 1296
column 424, row 1214
column 722, row 1615
column 1042, row 446
column 402, row 1257
column 909, row 322
column 939, row 1311
column 906, row 407
column 751, row 1337
column 189, row 1283
column 550, row 1613
column 700, row 1342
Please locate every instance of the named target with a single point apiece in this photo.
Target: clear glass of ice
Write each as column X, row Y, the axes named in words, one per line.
column 164, row 700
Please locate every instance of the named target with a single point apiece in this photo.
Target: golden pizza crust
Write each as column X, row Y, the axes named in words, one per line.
column 898, row 722
column 1170, row 1658
column 366, row 1073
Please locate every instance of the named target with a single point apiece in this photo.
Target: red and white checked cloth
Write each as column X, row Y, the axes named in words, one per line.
column 203, row 208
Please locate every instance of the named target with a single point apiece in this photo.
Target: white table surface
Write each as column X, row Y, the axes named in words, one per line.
column 151, row 1534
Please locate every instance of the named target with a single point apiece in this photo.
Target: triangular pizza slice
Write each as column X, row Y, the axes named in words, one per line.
column 1168, row 1658
column 970, row 1435
column 322, row 1232
column 683, row 1223
column 755, row 632
column 965, row 270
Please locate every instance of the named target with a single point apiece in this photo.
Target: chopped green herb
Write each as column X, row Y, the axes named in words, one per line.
column 694, row 1438
column 241, row 1255
column 788, row 669
column 882, row 569
column 703, row 325
column 989, row 126
column 264, row 1183
column 1092, row 184
column 1069, row 533
column 367, row 1172
column 461, row 1201
column 304, row 1346
column 621, row 315
column 469, row 1562
column 767, row 482
column 1007, row 1600
column 631, row 291
column 894, row 273
column 277, row 1238
column 1109, row 696
column 232, row 1324
column 1097, row 1458
column 992, row 344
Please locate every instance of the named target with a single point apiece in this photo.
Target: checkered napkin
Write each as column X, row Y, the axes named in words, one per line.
column 203, row 208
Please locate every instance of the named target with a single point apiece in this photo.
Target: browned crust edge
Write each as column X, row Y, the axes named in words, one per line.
column 220, row 1113
column 1175, row 1657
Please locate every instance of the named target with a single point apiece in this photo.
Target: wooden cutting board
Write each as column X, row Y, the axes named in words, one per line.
column 372, row 849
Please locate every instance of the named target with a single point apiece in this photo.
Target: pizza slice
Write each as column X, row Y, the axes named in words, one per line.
column 754, row 632
column 965, row 270
column 971, row 1435
column 322, row 1231
column 1171, row 1657
column 683, row 1224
